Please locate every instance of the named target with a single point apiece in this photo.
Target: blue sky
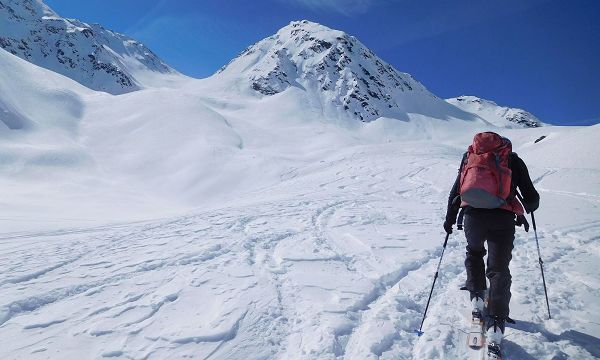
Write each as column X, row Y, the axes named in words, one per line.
column 540, row 55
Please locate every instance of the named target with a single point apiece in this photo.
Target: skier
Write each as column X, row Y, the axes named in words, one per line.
column 486, row 194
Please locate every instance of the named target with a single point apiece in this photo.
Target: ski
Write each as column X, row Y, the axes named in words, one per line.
column 476, row 335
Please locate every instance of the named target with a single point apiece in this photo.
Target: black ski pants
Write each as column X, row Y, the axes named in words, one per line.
column 498, row 228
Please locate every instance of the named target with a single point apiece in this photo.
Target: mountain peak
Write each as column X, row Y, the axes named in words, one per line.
column 306, row 30
column 89, row 54
column 337, row 67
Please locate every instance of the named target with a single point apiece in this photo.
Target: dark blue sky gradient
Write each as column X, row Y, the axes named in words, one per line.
column 539, row 55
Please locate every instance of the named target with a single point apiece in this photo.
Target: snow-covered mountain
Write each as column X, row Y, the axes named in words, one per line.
column 90, row 54
column 335, row 68
column 501, row 116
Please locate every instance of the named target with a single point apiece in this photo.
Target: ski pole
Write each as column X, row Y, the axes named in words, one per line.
column 419, row 332
column 541, row 263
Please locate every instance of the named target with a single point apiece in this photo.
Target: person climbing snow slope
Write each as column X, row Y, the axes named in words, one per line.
column 485, row 192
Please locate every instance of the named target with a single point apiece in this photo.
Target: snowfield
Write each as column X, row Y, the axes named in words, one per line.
column 204, row 220
column 334, row 262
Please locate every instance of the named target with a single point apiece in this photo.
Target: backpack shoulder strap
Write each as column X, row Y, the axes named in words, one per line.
column 512, row 158
column 462, row 162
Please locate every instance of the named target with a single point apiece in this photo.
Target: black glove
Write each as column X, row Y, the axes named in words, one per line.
column 448, row 226
column 531, row 206
column 521, row 220
column 451, row 214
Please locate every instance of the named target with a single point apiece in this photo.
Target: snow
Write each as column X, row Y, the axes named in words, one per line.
column 335, row 261
column 501, row 116
column 201, row 220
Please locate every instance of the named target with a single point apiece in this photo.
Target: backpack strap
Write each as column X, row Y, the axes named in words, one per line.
column 460, row 168
column 499, row 169
column 463, row 161
column 513, row 189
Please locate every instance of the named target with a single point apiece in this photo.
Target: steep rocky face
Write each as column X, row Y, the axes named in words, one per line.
column 90, row 54
column 340, row 68
column 495, row 114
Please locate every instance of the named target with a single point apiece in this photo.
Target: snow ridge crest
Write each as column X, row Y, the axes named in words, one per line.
column 496, row 114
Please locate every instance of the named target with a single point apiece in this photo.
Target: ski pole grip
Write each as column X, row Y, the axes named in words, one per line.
column 533, row 221
column 446, row 240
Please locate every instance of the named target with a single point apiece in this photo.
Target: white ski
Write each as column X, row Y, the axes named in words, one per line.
column 476, row 335
column 475, row 339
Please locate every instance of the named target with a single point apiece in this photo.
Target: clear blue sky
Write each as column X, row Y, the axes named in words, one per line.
column 540, row 55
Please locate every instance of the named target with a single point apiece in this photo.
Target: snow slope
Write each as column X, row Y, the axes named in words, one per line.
column 497, row 115
column 45, row 166
column 90, row 54
column 39, row 110
column 162, row 148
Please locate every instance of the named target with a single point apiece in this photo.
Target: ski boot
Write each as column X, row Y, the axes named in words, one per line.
column 478, row 305
column 494, row 336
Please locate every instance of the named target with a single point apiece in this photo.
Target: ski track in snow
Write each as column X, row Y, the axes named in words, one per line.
column 335, row 263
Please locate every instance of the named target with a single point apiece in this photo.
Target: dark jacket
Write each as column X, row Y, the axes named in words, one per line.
column 520, row 179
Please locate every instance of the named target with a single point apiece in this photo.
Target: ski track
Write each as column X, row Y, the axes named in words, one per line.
column 334, row 269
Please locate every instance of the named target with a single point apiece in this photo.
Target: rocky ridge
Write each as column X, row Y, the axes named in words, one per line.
column 89, row 54
column 330, row 62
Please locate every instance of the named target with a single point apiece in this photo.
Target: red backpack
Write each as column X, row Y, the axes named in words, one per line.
column 485, row 177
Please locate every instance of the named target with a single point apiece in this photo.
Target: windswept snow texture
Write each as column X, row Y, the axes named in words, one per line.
column 334, row 262
column 89, row 54
column 497, row 115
